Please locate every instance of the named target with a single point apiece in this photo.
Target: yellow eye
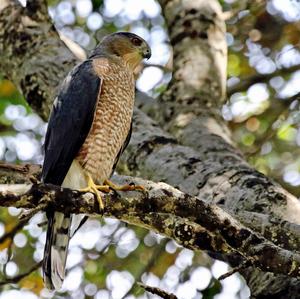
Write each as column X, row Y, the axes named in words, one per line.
column 135, row 41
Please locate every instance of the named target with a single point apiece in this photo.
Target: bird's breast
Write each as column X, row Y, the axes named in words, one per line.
column 112, row 120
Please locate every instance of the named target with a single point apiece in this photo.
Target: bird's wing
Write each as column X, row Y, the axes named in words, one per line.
column 70, row 121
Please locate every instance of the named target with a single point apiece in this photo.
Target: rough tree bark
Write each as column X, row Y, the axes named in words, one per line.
column 29, row 67
column 191, row 222
column 201, row 159
column 198, row 24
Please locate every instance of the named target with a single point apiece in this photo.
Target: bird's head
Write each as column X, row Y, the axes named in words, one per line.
column 128, row 46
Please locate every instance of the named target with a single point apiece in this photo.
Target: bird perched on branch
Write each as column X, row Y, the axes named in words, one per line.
column 89, row 128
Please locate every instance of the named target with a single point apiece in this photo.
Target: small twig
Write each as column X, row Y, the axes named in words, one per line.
column 156, row 253
column 42, row 224
column 26, row 215
column 162, row 67
column 33, row 180
column 17, row 278
column 246, row 82
column 10, row 235
column 14, row 230
column 234, row 270
column 9, row 255
column 282, row 108
column 157, row 291
column 21, row 168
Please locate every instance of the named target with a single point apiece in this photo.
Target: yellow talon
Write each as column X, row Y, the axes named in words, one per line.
column 124, row 187
column 93, row 188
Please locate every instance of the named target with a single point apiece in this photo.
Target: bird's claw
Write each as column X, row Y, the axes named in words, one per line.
column 93, row 188
column 124, row 187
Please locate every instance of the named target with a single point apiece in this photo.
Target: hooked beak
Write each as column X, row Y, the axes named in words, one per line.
column 146, row 52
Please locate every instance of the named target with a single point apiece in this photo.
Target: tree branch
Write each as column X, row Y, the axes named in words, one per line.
column 166, row 210
column 157, row 291
column 14, row 230
column 246, row 82
column 17, row 278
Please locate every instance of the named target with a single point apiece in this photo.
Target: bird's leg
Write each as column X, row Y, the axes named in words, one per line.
column 124, row 187
column 93, row 188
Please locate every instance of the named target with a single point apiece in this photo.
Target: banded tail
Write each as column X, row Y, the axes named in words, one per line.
column 59, row 232
column 56, row 249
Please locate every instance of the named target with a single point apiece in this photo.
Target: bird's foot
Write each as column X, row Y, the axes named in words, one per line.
column 93, row 188
column 124, row 187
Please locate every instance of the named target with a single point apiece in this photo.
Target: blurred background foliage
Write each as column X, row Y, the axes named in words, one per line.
column 106, row 257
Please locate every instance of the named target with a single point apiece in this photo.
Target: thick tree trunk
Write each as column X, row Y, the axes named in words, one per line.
column 201, row 160
column 197, row 31
column 31, row 50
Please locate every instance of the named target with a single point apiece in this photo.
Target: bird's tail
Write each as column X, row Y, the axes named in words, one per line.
column 55, row 254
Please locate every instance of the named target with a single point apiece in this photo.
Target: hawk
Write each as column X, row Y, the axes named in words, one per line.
column 89, row 128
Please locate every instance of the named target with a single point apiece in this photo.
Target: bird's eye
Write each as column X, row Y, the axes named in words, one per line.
column 136, row 41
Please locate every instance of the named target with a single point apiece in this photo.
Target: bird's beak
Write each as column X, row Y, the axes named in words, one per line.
column 146, row 53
